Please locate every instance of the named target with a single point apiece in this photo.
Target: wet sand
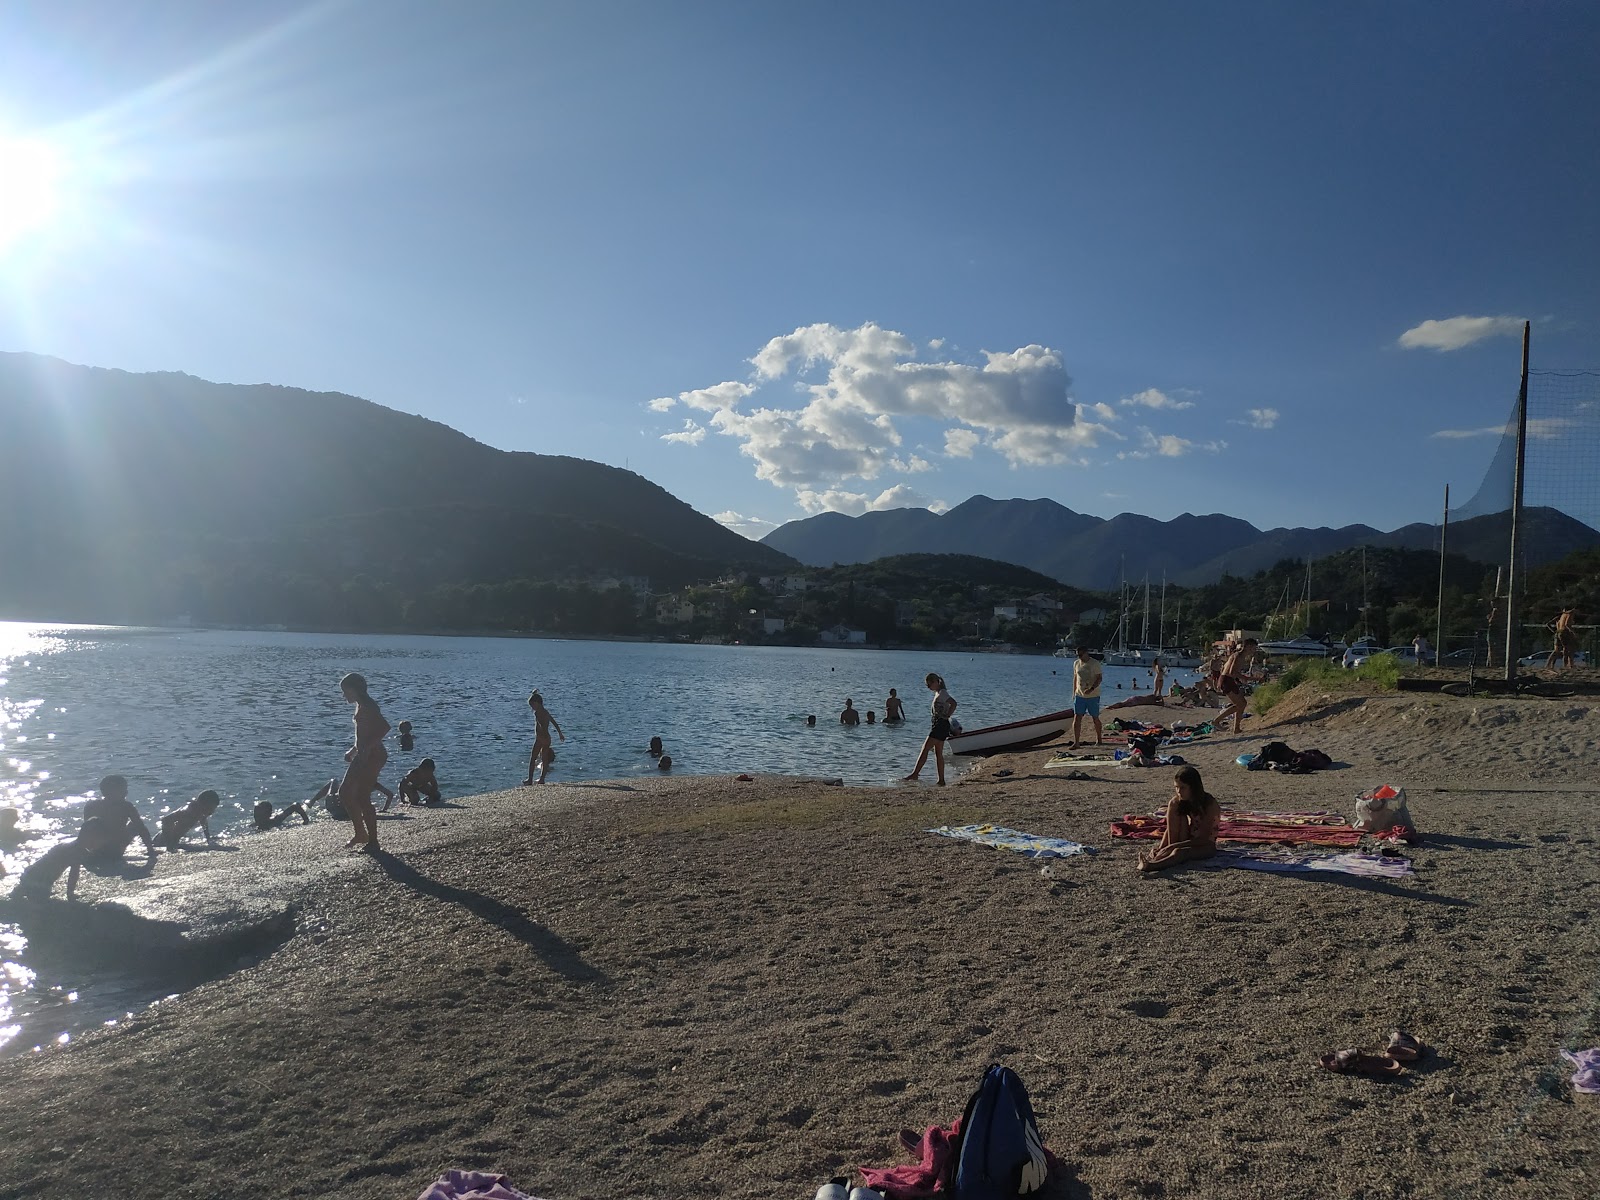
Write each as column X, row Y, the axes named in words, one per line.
column 696, row 986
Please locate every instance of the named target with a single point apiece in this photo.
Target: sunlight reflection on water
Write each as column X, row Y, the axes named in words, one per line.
column 259, row 716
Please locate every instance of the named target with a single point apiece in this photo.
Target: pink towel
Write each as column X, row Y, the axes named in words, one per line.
column 918, row 1180
column 472, row 1185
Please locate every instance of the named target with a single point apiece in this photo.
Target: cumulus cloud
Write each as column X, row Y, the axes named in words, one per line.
column 754, row 528
column 690, row 435
column 960, row 443
column 1156, row 398
column 856, row 386
column 853, row 504
column 1259, row 418
column 1454, row 333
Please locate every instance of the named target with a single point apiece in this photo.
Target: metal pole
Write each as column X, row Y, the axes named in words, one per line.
column 1514, row 580
column 1444, row 532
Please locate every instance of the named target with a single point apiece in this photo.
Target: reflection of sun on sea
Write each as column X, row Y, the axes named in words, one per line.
column 30, row 182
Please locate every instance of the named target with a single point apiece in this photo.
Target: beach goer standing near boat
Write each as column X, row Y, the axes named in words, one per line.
column 1193, row 815
column 543, row 753
column 943, row 708
column 366, row 759
column 894, row 710
column 1230, row 685
column 1086, row 678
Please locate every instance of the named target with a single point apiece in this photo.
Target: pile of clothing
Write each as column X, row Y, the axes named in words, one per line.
column 1279, row 756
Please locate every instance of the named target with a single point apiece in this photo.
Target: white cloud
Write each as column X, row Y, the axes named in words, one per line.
column 1259, row 418
column 855, row 503
column 1543, row 428
column 754, row 528
column 711, row 399
column 662, row 404
column 960, row 443
column 1156, row 398
column 1453, row 333
column 1104, row 411
column 690, row 435
column 914, row 465
column 1169, row 445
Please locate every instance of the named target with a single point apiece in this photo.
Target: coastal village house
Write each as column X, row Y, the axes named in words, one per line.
column 842, row 635
column 673, row 611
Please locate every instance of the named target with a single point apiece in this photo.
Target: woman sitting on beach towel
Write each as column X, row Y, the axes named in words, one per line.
column 1193, row 815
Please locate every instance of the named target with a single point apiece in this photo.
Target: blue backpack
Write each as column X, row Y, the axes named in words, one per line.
column 1001, row 1154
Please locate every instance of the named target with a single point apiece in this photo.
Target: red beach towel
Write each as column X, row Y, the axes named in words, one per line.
column 1287, row 828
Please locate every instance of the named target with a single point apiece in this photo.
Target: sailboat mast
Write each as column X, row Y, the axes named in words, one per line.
column 1144, row 629
column 1161, row 626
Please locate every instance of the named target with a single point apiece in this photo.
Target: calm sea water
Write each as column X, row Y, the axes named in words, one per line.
column 259, row 716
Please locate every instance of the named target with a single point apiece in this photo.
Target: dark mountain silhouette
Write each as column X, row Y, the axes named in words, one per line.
column 124, row 496
column 1091, row 552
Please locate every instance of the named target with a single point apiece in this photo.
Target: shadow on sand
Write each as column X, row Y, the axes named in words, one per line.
column 1471, row 843
column 553, row 950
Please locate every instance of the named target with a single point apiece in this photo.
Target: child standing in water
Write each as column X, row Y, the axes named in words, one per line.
column 543, row 753
column 366, row 759
column 1193, row 815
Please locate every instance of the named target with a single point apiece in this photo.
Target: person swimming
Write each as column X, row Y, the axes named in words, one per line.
column 665, row 762
column 265, row 818
column 811, row 720
column 849, row 716
column 10, row 836
column 180, row 822
column 894, row 709
column 407, row 742
column 872, row 717
column 655, row 750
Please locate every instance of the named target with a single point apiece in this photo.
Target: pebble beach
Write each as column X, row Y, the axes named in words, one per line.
column 692, row 986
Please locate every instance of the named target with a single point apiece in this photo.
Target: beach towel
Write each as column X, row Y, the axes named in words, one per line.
column 1002, row 838
column 1586, row 1078
column 922, row 1179
column 472, row 1185
column 1262, row 858
column 1291, row 828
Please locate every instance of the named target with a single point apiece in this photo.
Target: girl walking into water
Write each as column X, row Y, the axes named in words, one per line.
column 366, row 759
column 543, row 753
column 944, row 707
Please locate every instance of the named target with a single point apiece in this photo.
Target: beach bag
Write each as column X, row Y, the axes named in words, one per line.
column 1383, row 808
column 1000, row 1154
column 1309, row 760
column 1275, row 752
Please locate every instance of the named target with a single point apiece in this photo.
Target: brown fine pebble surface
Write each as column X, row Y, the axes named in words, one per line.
column 686, row 987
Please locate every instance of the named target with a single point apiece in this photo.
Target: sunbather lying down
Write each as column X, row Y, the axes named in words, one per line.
column 1193, row 815
column 1131, row 701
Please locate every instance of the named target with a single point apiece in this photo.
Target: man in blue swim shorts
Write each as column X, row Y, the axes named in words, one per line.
column 1086, row 676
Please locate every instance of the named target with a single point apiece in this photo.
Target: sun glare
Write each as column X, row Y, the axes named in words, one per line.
column 30, row 186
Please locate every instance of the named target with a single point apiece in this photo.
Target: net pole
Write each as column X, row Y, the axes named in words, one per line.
column 1444, row 533
column 1513, row 580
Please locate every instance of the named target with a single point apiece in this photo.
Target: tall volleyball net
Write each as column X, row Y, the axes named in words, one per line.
column 1559, row 515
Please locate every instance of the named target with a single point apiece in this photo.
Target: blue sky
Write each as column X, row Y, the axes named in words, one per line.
column 1240, row 258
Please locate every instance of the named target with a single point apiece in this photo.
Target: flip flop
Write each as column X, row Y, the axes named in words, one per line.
column 1405, row 1048
column 1358, row 1062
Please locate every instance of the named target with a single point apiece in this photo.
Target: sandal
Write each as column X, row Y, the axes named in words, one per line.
column 1405, row 1048
column 1358, row 1062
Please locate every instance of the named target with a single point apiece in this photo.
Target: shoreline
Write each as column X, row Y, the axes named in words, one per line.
column 661, row 987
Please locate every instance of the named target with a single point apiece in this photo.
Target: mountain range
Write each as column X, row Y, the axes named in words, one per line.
column 123, row 494
column 1095, row 552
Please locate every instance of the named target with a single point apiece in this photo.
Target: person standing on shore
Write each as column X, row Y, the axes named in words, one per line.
column 543, row 754
column 1086, row 679
column 1231, row 686
column 366, row 759
column 1565, row 631
column 943, row 708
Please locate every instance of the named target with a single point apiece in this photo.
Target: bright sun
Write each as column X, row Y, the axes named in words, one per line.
column 30, row 181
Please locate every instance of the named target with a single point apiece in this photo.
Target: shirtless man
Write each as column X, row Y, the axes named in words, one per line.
column 1230, row 685
column 122, row 819
column 1564, row 629
column 366, row 759
column 95, row 840
column 849, row 716
column 543, row 752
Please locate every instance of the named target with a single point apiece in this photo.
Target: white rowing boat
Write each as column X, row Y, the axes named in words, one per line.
column 1014, row 736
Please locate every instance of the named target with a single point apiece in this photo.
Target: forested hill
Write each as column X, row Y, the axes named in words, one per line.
column 139, row 496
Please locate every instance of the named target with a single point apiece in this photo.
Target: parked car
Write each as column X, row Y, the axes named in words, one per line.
column 1539, row 659
column 1360, row 652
